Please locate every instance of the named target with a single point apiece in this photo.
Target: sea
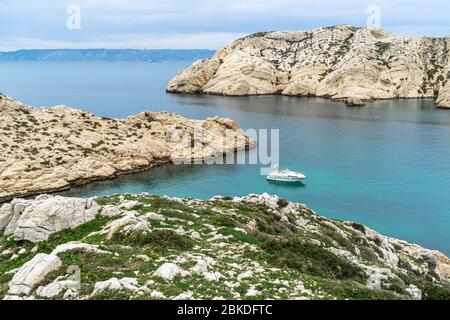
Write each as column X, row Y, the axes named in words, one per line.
column 386, row 165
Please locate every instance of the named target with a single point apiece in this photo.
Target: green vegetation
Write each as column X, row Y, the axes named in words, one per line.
column 382, row 47
column 157, row 240
column 312, row 259
column 249, row 248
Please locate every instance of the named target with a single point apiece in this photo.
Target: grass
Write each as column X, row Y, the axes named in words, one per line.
column 281, row 248
column 96, row 267
column 157, row 239
column 239, row 236
column 350, row 290
column 78, row 233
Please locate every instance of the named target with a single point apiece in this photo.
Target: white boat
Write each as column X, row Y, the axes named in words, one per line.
column 286, row 176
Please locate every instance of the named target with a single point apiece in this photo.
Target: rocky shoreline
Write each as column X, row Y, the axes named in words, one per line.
column 253, row 247
column 52, row 149
column 341, row 63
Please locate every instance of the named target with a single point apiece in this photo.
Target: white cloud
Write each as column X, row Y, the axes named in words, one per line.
column 200, row 23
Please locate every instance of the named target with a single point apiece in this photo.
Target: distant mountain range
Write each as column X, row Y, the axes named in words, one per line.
column 151, row 55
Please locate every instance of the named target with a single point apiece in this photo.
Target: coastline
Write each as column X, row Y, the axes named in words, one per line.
column 342, row 63
column 74, row 147
column 428, row 98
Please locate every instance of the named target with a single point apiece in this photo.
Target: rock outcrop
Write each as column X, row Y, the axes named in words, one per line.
column 35, row 220
column 32, row 273
column 50, row 149
column 338, row 62
column 443, row 100
column 55, row 289
column 115, row 284
column 257, row 246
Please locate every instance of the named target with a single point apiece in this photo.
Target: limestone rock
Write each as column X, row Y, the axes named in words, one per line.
column 6, row 214
column 443, row 100
column 341, row 62
column 110, row 211
column 442, row 264
column 115, row 284
column 56, row 288
column 155, row 216
column 168, row 271
column 71, row 294
column 78, row 246
column 35, row 220
column 188, row 295
column 354, row 102
column 62, row 147
column 129, row 225
column 252, row 293
column 201, row 267
column 32, row 273
column 414, row 292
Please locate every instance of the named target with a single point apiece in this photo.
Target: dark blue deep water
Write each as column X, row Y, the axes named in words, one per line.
column 386, row 165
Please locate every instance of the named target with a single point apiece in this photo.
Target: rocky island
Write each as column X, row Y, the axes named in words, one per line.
column 252, row 247
column 51, row 149
column 342, row 63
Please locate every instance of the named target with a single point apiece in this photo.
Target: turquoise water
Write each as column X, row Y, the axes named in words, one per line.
column 386, row 165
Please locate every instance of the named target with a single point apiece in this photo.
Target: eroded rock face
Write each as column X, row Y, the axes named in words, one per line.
column 32, row 273
column 341, row 62
column 35, row 220
column 443, row 100
column 52, row 149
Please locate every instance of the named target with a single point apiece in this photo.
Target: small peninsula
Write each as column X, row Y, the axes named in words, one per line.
column 53, row 149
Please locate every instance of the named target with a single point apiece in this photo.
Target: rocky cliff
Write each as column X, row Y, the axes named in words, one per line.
column 49, row 149
column 254, row 247
column 341, row 62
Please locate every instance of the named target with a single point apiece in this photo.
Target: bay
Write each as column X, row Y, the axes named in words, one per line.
column 386, row 165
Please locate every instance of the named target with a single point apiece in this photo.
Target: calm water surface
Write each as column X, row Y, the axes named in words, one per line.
column 386, row 165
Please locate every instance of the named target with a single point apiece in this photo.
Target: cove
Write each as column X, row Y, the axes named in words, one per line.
column 386, row 165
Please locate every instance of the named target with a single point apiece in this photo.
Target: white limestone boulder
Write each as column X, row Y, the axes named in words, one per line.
column 78, row 246
column 32, row 273
column 35, row 220
column 131, row 224
column 56, row 288
column 115, row 284
column 169, row 271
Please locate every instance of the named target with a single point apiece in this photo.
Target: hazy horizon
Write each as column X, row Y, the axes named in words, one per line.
column 197, row 24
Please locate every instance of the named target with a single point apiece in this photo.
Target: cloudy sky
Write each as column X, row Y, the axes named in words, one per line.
column 26, row 24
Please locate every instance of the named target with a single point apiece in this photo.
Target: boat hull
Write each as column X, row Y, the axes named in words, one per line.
column 285, row 179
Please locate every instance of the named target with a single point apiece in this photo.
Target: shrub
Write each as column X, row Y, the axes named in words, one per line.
column 312, row 259
column 359, row 227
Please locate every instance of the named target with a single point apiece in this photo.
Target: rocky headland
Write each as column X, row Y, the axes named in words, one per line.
column 253, row 247
column 342, row 62
column 51, row 149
